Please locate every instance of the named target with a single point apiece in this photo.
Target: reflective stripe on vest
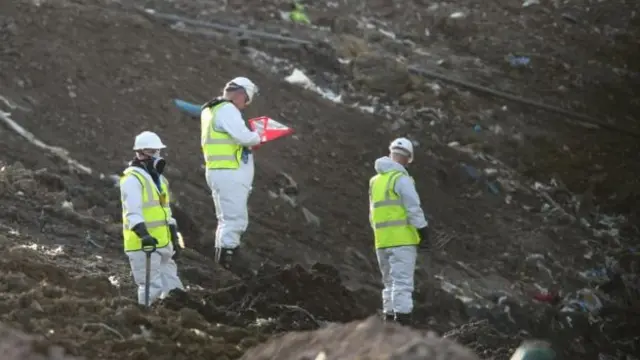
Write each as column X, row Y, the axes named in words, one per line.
column 220, row 151
column 155, row 211
column 389, row 217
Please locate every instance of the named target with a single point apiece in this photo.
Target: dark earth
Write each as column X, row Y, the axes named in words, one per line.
column 84, row 77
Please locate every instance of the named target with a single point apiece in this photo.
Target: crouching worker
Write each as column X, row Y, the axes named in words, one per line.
column 148, row 225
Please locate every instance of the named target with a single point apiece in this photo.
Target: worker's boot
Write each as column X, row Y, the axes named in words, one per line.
column 388, row 317
column 232, row 260
column 403, row 319
column 224, row 257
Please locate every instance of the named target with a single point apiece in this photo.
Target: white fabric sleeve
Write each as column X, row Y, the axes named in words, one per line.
column 171, row 220
column 229, row 119
column 131, row 196
column 406, row 189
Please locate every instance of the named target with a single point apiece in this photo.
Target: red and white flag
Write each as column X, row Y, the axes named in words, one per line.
column 271, row 129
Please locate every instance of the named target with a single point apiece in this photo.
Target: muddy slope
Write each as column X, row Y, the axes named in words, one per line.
column 88, row 76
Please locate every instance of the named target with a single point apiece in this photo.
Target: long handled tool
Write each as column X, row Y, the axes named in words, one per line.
column 147, row 272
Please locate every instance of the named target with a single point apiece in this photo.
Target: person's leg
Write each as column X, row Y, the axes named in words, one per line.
column 383, row 263
column 230, row 190
column 168, row 271
column 402, row 262
column 230, row 199
column 137, row 260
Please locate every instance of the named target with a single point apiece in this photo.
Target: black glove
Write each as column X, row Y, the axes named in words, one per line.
column 148, row 241
column 425, row 244
column 175, row 241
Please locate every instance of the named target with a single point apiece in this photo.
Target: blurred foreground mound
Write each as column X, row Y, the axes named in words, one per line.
column 363, row 340
column 15, row 345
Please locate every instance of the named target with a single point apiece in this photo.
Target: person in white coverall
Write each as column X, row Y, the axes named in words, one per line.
column 147, row 222
column 399, row 227
column 226, row 146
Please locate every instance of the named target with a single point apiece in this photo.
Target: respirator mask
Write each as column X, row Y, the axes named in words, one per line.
column 156, row 163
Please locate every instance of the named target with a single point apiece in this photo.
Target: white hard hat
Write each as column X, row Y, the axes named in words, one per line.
column 402, row 146
column 148, row 140
column 243, row 83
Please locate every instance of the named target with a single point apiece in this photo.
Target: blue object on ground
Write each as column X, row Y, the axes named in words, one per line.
column 477, row 175
column 471, row 171
column 190, row 109
column 518, row 61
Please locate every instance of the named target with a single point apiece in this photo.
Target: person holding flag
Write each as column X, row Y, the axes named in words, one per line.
column 226, row 143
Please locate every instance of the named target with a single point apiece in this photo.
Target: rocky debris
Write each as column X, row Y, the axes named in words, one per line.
column 371, row 339
column 88, row 306
column 281, row 299
column 15, row 345
column 345, row 25
column 349, row 46
column 381, row 74
column 484, row 339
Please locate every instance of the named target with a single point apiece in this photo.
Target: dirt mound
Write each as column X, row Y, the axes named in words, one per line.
column 286, row 299
column 367, row 340
column 15, row 345
column 45, row 291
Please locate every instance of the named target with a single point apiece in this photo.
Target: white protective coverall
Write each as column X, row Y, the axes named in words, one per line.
column 230, row 188
column 397, row 264
column 164, row 272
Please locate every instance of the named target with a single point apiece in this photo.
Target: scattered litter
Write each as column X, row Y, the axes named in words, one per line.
column 388, row 34
column 57, row 151
column 297, row 77
column 490, row 171
column 570, row 18
column 518, row 61
column 596, row 275
column 584, row 300
column 547, row 297
column 310, row 217
column 528, row 3
column 477, row 175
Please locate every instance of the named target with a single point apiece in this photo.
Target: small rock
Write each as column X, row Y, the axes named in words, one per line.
column 349, row 46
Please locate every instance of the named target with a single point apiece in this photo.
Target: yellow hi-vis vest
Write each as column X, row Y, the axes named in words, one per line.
column 155, row 211
column 219, row 149
column 388, row 216
column 298, row 16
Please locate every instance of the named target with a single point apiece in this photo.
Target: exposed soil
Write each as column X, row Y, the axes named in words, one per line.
column 87, row 76
column 370, row 339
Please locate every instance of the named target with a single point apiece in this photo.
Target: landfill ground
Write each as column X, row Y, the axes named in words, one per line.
column 534, row 218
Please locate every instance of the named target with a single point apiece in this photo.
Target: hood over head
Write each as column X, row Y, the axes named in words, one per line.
column 386, row 164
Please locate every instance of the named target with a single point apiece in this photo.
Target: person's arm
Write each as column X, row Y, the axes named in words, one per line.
column 131, row 196
column 406, row 189
column 171, row 220
column 229, row 119
column 371, row 206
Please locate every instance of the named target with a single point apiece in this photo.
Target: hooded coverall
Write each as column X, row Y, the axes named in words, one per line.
column 143, row 202
column 225, row 140
column 395, row 215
